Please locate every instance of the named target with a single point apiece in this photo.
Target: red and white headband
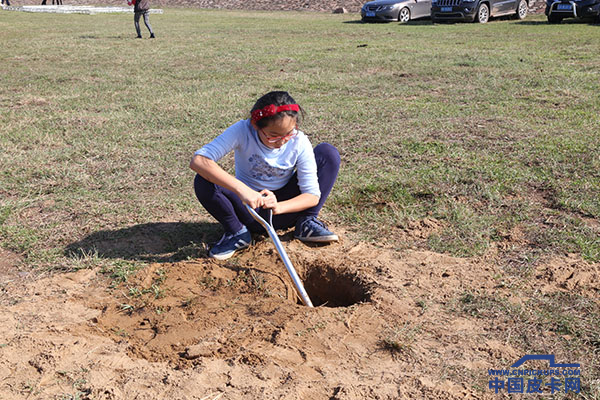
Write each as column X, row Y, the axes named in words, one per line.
column 272, row 109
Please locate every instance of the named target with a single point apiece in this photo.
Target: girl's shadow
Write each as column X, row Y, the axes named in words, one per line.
column 152, row 242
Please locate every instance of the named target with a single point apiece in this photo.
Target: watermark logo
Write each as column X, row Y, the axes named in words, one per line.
column 516, row 379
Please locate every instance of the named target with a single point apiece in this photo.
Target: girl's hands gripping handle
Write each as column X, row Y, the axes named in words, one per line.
column 212, row 172
column 269, row 200
column 251, row 197
column 264, row 199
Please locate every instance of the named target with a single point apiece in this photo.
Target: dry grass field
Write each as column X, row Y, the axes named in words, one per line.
column 467, row 206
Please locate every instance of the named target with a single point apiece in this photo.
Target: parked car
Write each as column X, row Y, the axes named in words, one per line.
column 395, row 10
column 476, row 10
column 557, row 10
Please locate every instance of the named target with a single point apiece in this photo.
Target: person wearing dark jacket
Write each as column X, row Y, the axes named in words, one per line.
column 141, row 7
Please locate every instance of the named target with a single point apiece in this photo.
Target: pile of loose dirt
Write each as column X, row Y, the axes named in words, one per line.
column 387, row 327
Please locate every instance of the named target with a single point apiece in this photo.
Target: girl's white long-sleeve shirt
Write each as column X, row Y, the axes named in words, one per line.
column 261, row 167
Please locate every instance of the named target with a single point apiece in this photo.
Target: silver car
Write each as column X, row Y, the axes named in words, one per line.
column 395, row 10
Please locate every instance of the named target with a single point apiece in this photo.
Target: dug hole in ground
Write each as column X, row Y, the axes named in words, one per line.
column 387, row 325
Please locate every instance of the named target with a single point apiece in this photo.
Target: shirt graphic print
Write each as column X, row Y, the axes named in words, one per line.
column 261, row 170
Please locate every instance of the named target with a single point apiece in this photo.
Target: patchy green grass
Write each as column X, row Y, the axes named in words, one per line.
column 490, row 129
column 399, row 339
column 483, row 127
column 560, row 323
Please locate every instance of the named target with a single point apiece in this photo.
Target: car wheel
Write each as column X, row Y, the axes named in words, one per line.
column 404, row 15
column 554, row 19
column 522, row 9
column 483, row 13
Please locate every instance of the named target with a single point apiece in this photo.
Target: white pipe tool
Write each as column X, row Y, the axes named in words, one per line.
column 284, row 257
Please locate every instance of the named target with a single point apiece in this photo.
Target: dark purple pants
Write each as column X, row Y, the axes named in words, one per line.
column 227, row 208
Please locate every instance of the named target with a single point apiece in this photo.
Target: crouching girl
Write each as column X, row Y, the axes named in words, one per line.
column 275, row 168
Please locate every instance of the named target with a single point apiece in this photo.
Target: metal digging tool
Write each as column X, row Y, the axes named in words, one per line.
column 284, row 257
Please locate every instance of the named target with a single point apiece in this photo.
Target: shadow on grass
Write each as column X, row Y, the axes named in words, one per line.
column 420, row 21
column 532, row 22
column 154, row 242
column 570, row 21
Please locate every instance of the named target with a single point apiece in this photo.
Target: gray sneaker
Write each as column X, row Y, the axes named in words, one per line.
column 229, row 244
column 310, row 229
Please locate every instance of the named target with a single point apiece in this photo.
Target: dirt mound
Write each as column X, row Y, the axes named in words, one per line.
column 570, row 274
column 390, row 325
column 182, row 312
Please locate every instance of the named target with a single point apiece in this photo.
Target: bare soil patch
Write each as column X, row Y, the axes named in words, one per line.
column 390, row 325
column 9, row 262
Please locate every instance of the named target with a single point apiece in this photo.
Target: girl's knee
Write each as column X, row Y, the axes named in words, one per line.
column 328, row 152
column 203, row 188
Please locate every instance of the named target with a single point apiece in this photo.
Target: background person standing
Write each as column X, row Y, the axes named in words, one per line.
column 141, row 7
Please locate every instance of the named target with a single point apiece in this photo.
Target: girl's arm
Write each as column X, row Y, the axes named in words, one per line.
column 295, row 204
column 212, row 172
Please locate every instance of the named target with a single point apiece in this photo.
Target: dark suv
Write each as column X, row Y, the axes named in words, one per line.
column 556, row 10
column 476, row 10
